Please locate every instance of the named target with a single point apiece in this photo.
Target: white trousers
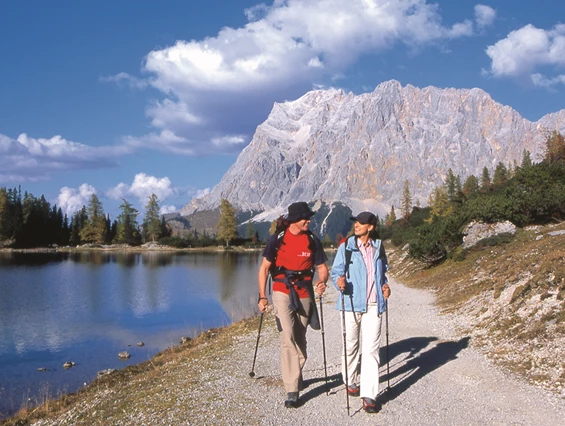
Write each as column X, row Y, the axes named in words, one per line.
column 363, row 330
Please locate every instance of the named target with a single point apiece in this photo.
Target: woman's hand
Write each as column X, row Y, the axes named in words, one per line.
column 386, row 291
column 341, row 283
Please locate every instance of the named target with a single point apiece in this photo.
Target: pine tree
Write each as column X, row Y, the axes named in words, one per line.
column 450, row 186
column 152, row 222
column 391, row 217
column 439, row 203
column 127, row 231
column 500, row 175
column 95, row 227
column 227, row 226
column 406, row 200
column 485, row 180
column 555, row 148
column 471, row 186
column 526, row 159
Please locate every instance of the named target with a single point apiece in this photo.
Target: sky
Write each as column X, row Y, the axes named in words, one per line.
column 129, row 98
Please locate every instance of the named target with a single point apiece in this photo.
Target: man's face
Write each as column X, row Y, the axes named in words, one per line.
column 362, row 229
column 303, row 224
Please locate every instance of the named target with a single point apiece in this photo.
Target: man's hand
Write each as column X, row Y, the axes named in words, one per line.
column 320, row 287
column 341, row 283
column 262, row 304
column 386, row 291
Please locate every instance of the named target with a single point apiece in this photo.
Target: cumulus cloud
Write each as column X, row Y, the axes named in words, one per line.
column 167, row 209
column 528, row 49
column 28, row 159
column 142, row 187
column 71, row 200
column 217, row 90
column 484, row 15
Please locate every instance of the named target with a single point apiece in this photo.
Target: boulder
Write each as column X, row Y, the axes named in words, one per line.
column 477, row 231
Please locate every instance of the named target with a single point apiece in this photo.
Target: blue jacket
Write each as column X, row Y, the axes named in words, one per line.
column 356, row 279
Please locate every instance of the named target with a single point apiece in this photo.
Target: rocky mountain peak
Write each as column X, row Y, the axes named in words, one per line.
column 330, row 146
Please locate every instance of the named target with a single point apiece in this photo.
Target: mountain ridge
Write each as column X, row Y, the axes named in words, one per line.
column 330, row 146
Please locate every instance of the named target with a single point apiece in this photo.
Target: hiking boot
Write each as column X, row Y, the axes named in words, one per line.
column 291, row 400
column 370, row 405
column 353, row 390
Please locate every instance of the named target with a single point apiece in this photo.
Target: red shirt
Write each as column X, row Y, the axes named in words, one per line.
column 295, row 255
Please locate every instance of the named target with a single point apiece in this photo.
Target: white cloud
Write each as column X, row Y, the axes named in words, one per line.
column 142, row 187
column 220, row 88
column 542, row 81
column 71, row 200
column 28, row 159
column 124, row 79
column 526, row 50
column 484, row 15
column 167, row 209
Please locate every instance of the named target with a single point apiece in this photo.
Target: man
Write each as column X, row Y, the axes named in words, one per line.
column 291, row 256
column 360, row 275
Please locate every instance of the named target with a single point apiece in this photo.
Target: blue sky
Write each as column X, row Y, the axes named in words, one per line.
column 129, row 98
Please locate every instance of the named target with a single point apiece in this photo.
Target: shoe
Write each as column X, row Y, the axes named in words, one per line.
column 291, row 400
column 369, row 405
column 353, row 390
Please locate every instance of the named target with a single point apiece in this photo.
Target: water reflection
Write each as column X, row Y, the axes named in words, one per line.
column 88, row 306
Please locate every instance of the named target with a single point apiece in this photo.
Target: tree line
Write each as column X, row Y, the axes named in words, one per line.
column 27, row 221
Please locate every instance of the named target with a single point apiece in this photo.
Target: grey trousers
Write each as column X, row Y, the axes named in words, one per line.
column 292, row 339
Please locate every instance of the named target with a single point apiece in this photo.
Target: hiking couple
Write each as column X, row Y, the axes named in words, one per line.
column 292, row 256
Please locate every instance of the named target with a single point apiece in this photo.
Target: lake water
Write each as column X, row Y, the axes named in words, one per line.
column 87, row 307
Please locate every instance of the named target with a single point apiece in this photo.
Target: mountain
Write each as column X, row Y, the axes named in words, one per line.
column 329, row 146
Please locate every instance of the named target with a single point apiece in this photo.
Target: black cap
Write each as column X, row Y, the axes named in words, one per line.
column 365, row 218
column 299, row 211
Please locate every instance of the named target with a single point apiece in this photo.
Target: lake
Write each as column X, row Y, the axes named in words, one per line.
column 86, row 307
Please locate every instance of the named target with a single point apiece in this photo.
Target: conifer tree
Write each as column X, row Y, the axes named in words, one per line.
column 227, row 226
column 406, row 200
column 95, row 227
column 450, row 185
column 485, row 180
column 500, row 175
column 526, row 159
column 471, row 186
column 127, row 231
column 391, row 217
column 152, row 222
column 555, row 148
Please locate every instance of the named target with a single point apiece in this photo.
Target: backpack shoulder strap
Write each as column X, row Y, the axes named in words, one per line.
column 348, row 254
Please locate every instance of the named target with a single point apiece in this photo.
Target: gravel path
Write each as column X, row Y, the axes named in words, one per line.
column 436, row 378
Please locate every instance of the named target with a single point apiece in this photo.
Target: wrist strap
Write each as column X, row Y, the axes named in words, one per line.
column 262, row 298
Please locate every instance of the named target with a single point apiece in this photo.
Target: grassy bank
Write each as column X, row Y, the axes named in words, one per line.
column 509, row 295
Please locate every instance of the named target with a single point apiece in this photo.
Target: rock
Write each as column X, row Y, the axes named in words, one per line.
column 556, row 233
column 106, row 372
column 140, row 344
column 124, row 355
column 477, row 231
column 184, row 340
column 68, row 364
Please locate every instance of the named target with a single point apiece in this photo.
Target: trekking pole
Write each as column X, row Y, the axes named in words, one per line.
column 324, row 344
column 387, row 356
column 252, row 374
column 345, row 351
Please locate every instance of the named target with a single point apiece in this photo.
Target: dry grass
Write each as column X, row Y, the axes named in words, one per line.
column 511, row 295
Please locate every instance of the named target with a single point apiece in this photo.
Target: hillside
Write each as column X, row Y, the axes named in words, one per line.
column 509, row 297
